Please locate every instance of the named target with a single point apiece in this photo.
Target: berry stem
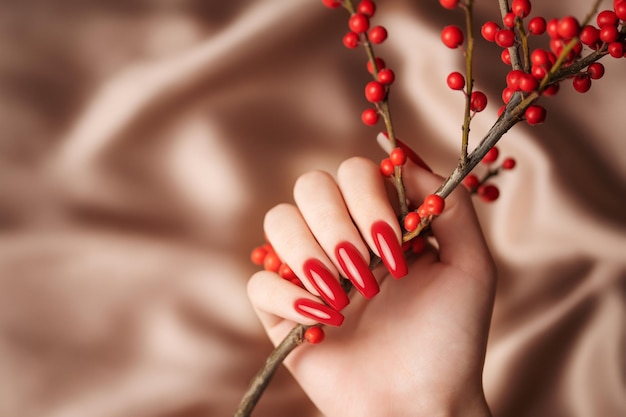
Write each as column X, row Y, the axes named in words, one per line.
column 469, row 60
column 519, row 25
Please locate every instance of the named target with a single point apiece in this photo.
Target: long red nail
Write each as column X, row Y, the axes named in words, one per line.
column 389, row 249
column 355, row 268
column 318, row 311
column 326, row 284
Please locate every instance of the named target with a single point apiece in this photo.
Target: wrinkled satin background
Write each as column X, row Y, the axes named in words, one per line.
column 141, row 142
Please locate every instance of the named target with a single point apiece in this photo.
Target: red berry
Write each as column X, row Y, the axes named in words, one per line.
column 509, row 20
column 452, row 36
column 314, row 335
column 286, row 272
column 539, row 57
column 551, row 90
column 491, row 155
column 620, row 10
column 616, row 49
column 512, row 79
column 539, row 72
column 456, row 81
column 568, row 27
column 478, row 101
column 369, row 117
column 506, row 56
column 449, row 4
column 508, row 163
column 257, row 256
column 374, row 92
column 595, row 71
column 535, row 114
column 609, row 34
column 489, row 30
column 507, row 94
column 351, row 40
column 411, row 221
column 380, row 64
column 521, row 8
column 434, row 204
column 332, row 4
column 386, row 76
column 581, row 83
column 272, row 262
column 505, row 38
column 589, row 35
column 471, row 182
column 359, row 23
column 397, row 157
column 552, row 27
column 386, row 167
column 367, row 7
column 423, row 211
column 488, row 192
column 606, row 18
column 537, row 25
column 377, row 34
column 528, row 83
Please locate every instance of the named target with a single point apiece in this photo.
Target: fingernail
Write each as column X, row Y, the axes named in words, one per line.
column 383, row 141
column 326, row 284
column 389, row 249
column 318, row 311
column 356, row 269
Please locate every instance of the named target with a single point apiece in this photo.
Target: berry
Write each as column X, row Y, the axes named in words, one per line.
column 314, row 335
column 528, row 83
column 380, row 64
column 359, row 23
column 537, row 25
column 411, row 221
column 595, row 71
column 286, row 272
column 539, row 57
column 535, row 114
column 272, row 262
column 491, row 155
column 521, row 8
column 434, row 204
column 552, row 27
column 508, row 163
column 489, row 30
column 620, row 10
column 488, row 192
column 507, row 94
column 449, row 4
column 581, row 83
column 539, row 72
column 478, row 101
column 551, row 90
column 471, row 182
column 452, row 36
column 257, row 256
column 386, row 167
column 377, row 34
column 513, row 78
column 568, row 27
column 332, row 4
column 369, row 117
column 589, row 35
column 506, row 57
column 505, row 38
column 386, row 76
column 351, row 40
column 509, row 20
column 423, row 211
column 367, row 7
column 456, row 81
column 374, row 92
column 609, row 34
column 616, row 49
column 606, row 18
column 397, row 157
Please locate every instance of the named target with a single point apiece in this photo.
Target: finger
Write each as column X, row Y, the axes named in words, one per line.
column 457, row 229
column 279, row 304
column 365, row 195
column 292, row 239
column 323, row 208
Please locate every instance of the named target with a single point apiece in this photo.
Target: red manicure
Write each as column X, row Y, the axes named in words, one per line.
column 319, row 312
column 389, row 249
column 355, row 268
column 326, row 284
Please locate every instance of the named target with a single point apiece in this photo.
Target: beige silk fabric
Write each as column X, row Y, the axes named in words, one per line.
column 141, row 143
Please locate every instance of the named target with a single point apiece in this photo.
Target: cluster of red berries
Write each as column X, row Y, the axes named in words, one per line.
column 486, row 191
column 266, row 257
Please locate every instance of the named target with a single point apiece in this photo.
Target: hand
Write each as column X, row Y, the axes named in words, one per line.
column 417, row 347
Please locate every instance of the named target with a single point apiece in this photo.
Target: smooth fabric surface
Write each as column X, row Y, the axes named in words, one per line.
column 142, row 142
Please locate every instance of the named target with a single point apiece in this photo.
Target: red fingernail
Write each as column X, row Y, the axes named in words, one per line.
column 389, row 249
column 318, row 311
column 326, row 284
column 356, row 269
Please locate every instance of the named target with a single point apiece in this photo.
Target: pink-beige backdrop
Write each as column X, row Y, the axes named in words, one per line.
column 141, row 143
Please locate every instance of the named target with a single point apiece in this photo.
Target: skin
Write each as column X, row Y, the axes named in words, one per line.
column 415, row 349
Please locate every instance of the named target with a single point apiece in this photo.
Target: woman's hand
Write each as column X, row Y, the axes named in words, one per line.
column 412, row 344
